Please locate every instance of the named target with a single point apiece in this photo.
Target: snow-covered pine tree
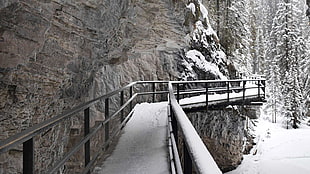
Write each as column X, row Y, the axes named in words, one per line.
column 287, row 50
column 305, row 61
column 256, row 48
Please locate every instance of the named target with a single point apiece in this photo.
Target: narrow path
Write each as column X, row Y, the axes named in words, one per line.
column 142, row 147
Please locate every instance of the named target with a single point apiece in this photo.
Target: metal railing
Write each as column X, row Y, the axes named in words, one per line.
column 194, row 150
column 26, row 137
column 209, row 87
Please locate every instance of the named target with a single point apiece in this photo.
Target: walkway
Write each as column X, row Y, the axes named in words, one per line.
column 142, row 147
column 251, row 95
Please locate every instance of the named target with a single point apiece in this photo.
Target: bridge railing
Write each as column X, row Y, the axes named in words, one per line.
column 194, row 150
column 187, row 89
column 27, row 137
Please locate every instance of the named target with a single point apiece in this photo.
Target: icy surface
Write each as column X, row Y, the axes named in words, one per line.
column 278, row 151
column 142, row 147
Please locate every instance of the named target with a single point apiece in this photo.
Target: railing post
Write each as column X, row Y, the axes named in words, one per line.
column 243, row 91
column 121, row 103
column 188, row 167
column 263, row 88
column 178, row 92
column 28, row 157
column 130, row 94
column 86, row 132
column 174, row 125
column 153, row 89
column 207, row 96
column 258, row 87
column 107, row 127
column 227, row 92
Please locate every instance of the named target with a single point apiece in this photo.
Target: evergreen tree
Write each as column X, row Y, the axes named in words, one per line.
column 287, row 50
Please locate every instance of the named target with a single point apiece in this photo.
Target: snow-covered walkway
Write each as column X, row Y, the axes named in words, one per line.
column 279, row 151
column 220, row 98
column 142, row 148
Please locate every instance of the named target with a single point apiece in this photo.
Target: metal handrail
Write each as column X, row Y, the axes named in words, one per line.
column 199, row 154
column 194, row 150
column 178, row 117
column 216, row 81
column 26, row 137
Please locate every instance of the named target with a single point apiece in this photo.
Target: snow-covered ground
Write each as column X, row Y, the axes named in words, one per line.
column 142, row 148
column 278, row 151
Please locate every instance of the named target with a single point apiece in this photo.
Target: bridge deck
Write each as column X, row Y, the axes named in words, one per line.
column 235, row 98
column 142, row 148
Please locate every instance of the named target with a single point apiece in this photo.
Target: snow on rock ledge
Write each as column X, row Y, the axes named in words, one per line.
column 196, row 59
column 205, row 59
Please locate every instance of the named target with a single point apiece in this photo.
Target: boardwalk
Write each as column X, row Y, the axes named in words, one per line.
column 146, row 145
column 142, row 147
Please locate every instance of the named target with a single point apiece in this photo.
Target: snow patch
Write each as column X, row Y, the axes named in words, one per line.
column 198, row 60
column 192, row 7
column 204, row 12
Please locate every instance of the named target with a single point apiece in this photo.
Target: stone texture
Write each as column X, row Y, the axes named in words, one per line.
column 56, row 54
column 223, row 132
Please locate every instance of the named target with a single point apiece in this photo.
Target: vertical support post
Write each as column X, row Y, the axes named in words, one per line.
column 243, row 91
column 227, row 92
column 121, row 103
column 264, row 88
column 188, row 167
column 207, row 96
column 86, row 132
column 107, row 125
column 258, row 87
column 178, row 92
column 174, row 125
column 28, row 157
column 153, row 89
column 130, row 94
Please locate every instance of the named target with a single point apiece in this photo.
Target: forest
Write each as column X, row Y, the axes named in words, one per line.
column 270, row 37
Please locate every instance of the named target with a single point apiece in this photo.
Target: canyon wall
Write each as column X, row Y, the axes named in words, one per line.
column 225, row 133
column 56, row 54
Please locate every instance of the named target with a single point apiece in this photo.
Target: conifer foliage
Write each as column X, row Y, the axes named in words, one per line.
column 287, row 51
column 269, row 37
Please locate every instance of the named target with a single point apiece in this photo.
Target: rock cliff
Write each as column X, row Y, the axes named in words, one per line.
column 55, row 54
column 223, row 132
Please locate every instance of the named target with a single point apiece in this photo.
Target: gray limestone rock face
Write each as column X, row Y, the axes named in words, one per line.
column 223, row 133
column 56, row 54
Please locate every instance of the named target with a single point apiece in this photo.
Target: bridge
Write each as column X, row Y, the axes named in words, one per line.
column 156, row 137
